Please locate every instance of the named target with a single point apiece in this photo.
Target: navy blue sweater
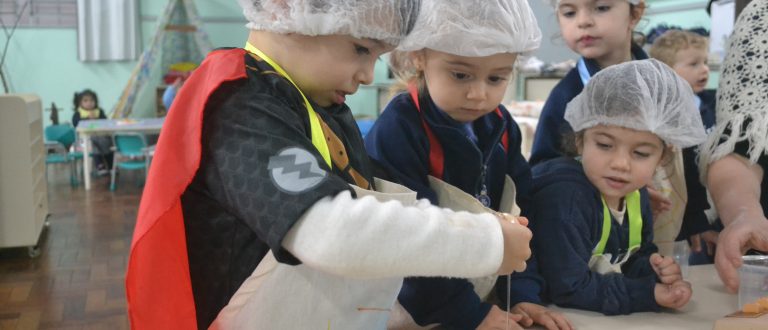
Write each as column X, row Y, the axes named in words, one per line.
column 398, row 141
column 569, row 219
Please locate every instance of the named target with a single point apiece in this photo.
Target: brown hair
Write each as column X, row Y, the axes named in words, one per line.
column 666, row 47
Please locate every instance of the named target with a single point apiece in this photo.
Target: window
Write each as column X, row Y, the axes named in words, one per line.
column 39, row 13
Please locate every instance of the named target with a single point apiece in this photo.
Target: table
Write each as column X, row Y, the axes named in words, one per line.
column 709, row 303
column 91, row 127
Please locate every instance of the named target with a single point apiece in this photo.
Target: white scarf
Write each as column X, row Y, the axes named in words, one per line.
column 743, row 92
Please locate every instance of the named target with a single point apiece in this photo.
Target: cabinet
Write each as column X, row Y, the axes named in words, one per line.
column 23, row 187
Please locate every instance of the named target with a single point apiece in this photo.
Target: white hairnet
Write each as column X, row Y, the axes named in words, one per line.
column 474, row 28
column 554, row 3
column 385, row 20
column 644, row 95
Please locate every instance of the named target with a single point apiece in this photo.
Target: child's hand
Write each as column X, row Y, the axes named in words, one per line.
column 517, row 248
column 498, row 319
column 659, row 203
column 533, row 313
column 673, row 295
column 666, row 267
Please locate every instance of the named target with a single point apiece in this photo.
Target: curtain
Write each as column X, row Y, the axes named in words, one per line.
column 108, row 30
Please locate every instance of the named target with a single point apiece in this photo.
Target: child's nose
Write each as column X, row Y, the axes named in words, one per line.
column 476, row 91
column 584, row 19
column 620, row 162
column 365, row 75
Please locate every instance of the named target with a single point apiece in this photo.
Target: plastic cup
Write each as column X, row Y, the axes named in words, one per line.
column 679, row 250
column 753, row 279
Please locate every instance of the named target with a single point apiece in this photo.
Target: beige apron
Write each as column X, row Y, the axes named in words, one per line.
column 670, row 181
column 453, row 198
column 281, row 296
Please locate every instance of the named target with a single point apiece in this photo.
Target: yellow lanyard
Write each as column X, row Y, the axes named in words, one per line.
column 318, row 138
column 635, row 224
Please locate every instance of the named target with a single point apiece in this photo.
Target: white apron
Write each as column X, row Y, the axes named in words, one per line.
column 281, row 296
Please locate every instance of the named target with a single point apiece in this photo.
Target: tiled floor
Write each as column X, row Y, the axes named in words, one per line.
column 78, row 280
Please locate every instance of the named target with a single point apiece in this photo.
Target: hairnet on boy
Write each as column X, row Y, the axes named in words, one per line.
column 555, row 3
column 385, row 20
column 644, row 95
column 474, row 28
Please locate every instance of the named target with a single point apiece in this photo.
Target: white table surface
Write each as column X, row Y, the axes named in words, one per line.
column 710, row 302
column 91, row 127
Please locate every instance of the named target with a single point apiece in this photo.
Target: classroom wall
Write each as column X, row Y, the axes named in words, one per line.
column 44, row 61
column 683, row 13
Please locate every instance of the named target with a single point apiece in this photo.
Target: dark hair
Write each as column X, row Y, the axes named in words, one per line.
column 86, row 92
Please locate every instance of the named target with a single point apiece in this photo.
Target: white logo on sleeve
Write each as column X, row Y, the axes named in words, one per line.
column 295, row 170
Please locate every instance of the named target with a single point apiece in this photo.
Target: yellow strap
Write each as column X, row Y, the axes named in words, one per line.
column 318, row 138
column 635, row 224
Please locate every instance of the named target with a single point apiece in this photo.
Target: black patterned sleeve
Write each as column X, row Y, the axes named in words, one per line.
column 259, row 163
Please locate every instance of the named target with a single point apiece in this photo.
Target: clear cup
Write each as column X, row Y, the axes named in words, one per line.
column 680, row 251
column 753, row 279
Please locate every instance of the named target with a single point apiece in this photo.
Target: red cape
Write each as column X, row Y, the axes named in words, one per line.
column 157, row 283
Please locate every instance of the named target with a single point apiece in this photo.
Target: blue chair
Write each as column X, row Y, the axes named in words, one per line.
column 130, row 154
column 58, row 140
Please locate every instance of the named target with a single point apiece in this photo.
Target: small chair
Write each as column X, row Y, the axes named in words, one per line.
column 58, row 140
column 130, row 154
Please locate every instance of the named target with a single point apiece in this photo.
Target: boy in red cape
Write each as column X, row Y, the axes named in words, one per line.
column 256, row 163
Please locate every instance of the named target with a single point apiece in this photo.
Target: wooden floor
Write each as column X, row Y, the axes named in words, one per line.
column 77, row 282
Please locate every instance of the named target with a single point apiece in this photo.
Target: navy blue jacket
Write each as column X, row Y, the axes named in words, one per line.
column 569, row 219
column 547, row 143
column 398, row 142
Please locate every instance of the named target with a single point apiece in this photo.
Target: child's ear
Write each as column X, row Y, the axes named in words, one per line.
column 418, row 59
column 578, row 140
column 636, row 14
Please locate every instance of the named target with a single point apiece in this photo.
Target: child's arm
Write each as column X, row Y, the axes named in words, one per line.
column 245, row 167
column 364, row 238
column 565, row 232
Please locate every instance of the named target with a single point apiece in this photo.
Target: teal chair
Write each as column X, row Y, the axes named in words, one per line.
column 130, row 154
column 58, row 140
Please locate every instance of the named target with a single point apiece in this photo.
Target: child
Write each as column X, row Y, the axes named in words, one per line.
column 593, row 228
column 87, row 107
column 461, row 55
column 687, row 54
column 263, row 169
column 599, row 31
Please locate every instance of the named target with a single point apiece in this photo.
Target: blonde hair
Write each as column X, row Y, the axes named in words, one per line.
column 666, row 47
column 405, row 73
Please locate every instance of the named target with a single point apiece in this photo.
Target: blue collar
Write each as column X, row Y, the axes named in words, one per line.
column 587, row 68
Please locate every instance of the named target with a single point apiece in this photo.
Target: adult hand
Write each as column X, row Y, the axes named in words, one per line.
column 739, row 236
